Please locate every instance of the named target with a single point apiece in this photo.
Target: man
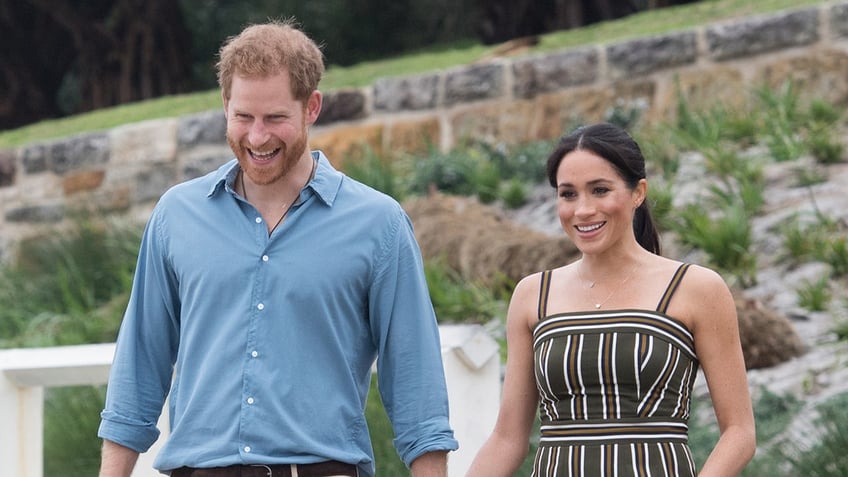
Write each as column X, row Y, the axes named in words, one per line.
column 263, row 294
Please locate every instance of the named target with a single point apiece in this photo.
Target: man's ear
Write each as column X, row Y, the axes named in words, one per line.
column 313, row 107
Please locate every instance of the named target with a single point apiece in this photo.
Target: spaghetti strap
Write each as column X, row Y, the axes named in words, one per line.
column 544, row 290
column 672, row 287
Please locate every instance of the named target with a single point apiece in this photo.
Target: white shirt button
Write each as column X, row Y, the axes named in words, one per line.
column 247, row 449
column 261, row 306
column 250, row 400
column 264, row 258
column 258, row 220
column 254, row 353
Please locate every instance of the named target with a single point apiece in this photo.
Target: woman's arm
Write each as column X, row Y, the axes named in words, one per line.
column 719, row 350
column 506, row 448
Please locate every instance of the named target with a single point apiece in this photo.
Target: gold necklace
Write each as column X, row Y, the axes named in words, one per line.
column 613, row 292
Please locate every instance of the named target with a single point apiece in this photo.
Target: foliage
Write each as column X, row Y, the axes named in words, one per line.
column 840, row 322
column 726, row 239
column 514, row 194
column 490, row 172
column 827, row 457
column 814, row 296
column 207, row 30
column 381, row 173
column 460, row 301
column 836, row 255
column 72, row 414
column 772, row 412
column 64, row 277
column 386, row 458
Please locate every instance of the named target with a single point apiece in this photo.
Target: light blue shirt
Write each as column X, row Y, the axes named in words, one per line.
column 267, row 343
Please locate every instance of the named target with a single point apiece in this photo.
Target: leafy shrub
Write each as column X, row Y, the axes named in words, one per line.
column 514, row 194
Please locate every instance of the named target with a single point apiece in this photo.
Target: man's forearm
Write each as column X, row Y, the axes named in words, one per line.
column 116, row 460
column 431, row 464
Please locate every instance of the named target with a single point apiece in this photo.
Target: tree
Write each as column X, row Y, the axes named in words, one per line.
column 70, row 56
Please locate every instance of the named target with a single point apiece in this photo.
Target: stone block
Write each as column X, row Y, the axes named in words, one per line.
column 143, row 143
column 150, row 184
column 34, row 158
column 414, row 135
column 814, row 75
column 647, row 55
column 540, row 74
column 763, row 34
column 78, row 152
column 348, row 143
column 561, row 112
column 701, row 89
column 408, row 93
column 8, row 167
column 201, row 160
column 209, row 127
column 839, row 20
column 36, row 214
column 473, row 83
column 82, row 181
column 342, row 105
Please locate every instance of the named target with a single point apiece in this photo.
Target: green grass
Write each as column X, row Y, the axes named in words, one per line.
column 436, row 58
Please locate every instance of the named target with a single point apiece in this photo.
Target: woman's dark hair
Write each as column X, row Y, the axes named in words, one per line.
column 618, row 148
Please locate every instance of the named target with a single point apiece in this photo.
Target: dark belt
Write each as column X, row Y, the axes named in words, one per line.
column 321, row 469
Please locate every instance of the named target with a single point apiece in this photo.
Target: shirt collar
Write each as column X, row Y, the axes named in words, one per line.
column 325, row 183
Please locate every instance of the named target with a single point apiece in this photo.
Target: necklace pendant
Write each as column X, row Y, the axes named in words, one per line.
column 597, row 305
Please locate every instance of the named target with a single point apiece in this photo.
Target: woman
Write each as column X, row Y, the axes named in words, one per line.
column 608, row 346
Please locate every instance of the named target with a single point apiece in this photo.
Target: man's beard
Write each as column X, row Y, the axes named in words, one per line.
column 291, row 154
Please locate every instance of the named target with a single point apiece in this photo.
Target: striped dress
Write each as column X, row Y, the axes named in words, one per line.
column 615, row 389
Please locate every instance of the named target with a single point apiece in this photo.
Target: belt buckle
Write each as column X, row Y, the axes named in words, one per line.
column 267, row 469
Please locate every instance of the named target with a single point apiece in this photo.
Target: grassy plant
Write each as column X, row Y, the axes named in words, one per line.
column 662, row 209
column 840, row 322
column 815, row 296
column 726, row 239
column 807, row 240
column 60, row 278
column 458, row 300
column 837, row 256
column 827, row 458
column 809, row 176
column 72, row 416
column 381, row 173
column 783, row 119
column 773, row 413
column 825, row 148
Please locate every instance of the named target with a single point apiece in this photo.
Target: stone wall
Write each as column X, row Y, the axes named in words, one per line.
column 509, row 99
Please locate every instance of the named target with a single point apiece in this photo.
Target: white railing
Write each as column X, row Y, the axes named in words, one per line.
column 472, row 370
